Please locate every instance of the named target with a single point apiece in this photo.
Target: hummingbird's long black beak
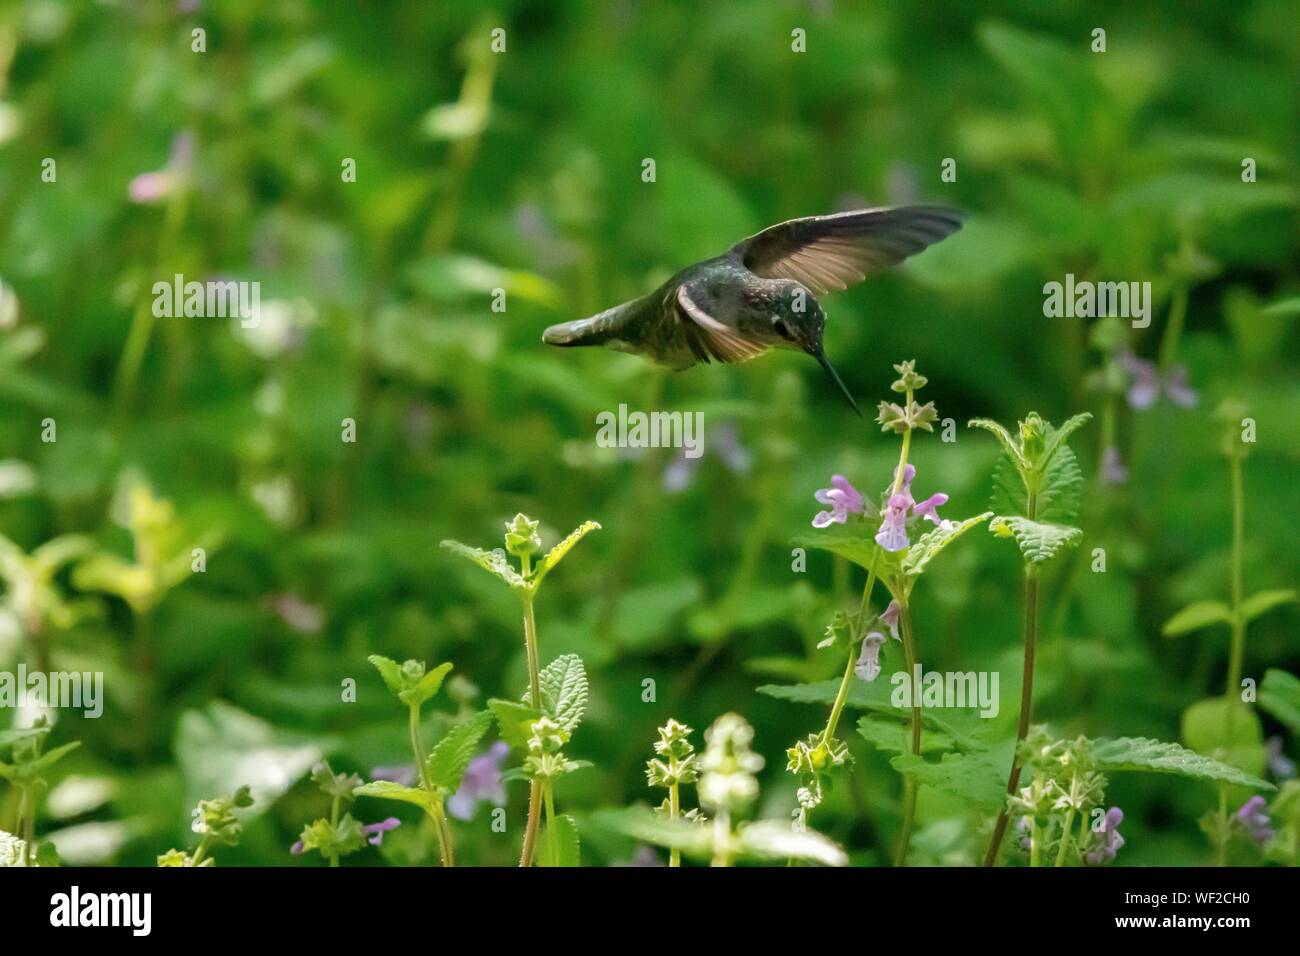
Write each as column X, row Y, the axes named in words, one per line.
column 820, row 356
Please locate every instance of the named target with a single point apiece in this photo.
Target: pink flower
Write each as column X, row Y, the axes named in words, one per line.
column 157, row 185
column 868, row 666
column 843, row 499
column 902, row 508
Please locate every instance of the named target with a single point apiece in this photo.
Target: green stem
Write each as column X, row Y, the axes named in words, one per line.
column 199, row 852
column 1026, row 690
column 441, row 830
column 552, row 844
column 674, row 810
column 910, row 788
column 1238, row 623
column 535, row 695
column 1067, row 834
column 1174, row 329
column 837, row 708
column 722, row 838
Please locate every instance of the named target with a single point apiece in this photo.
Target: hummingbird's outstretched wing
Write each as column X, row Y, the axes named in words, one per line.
column 710, row 338
column 829, row 253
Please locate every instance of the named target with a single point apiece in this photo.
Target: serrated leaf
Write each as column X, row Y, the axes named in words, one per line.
column 932, row 542
column 1058, row 500
column 771, row 840
column 514, row 720
column 390, row 671
column 1226, row 729
column 1009, row 495
column 645, row 825
column 962, row 725
column 1009, row 445
column 1158, row 756
column 1263, row 601
column 1039, row 542
column 557, row 553
column 494, row 562
column 426, row 687
column 559, row 844
column 973, row 777
column 1055, row 440
column 1279, row 696
column 895, row 736
column 854, row 542
column 451, row 756
column 388, row 790
column 564, row 691
column 1196, row 616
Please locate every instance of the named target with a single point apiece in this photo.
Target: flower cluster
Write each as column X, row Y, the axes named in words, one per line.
column 900, row 512
column 1255, row 820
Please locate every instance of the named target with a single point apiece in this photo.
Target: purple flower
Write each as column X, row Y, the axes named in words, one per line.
column 297, row 848
column 842, row 497
column 376, row 831
column 890, row 619
column 892, row 535
column 1107, row 841
column 868, row 666
column 1147, row 383
column 1279, row 763
column 1024, row 830
column 901, row 508
column 159, row 184
column 1254, row 817
column 482, row 782
column 399, row 773
column 1113, row 471
column 725, row 442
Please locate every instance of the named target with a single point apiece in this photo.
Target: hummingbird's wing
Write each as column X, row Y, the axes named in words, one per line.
column 829, row 253
column 710, row 338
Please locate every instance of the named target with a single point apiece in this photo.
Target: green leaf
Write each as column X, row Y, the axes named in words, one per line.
column 932, row 542
column 1009, row 444
column 51, row 757
column 854, row 542
column 494, row 562
column 963, row 725
column 17, row 735
column 1196, row 616
column 559, row 843
column 1009, row 494
column 973, row 777
column 1058, row 499
column 771, row 840
column 1143, row 753
column 514, row 720
column 646, row 826
column 387, row 790
column 564, row 691
column 895, row 736
column 450, row 758
column 390, row 671
column 1279, row 696
column 1263, row 601
column 557, row 553
column 1056, row 436
column 1038, row 542
column 425, row 687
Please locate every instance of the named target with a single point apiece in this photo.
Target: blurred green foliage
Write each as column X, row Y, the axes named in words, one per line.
column 522, row 171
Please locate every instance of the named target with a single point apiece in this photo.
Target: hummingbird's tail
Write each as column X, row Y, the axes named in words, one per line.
column 595, row 330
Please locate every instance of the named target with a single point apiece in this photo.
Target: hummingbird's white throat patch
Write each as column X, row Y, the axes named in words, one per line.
column 636, row 429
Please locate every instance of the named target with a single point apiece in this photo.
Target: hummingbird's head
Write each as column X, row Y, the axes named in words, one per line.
column 799, row 321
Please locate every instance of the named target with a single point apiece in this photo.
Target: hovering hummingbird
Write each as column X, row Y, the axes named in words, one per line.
column 759, row 294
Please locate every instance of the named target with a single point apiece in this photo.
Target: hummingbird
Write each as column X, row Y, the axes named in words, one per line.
column 761, row 293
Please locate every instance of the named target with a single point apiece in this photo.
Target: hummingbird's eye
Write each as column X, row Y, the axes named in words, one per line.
column 782, row 329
